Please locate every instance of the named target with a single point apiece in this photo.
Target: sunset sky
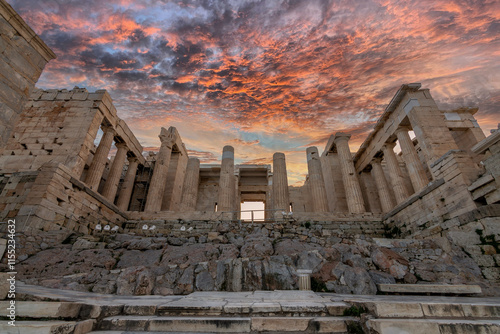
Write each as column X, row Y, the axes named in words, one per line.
column 269, row 76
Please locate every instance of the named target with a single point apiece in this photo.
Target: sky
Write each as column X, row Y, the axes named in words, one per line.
column 269, row 76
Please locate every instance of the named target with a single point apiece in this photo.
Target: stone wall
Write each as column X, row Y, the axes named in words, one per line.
column 23, row 58
column 53, row 199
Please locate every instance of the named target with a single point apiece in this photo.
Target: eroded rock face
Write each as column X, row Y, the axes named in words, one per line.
column 256, row 260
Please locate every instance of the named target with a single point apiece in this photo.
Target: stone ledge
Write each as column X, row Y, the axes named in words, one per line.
column 430, row 288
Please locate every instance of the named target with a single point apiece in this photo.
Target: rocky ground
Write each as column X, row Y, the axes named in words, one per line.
column 229, row 260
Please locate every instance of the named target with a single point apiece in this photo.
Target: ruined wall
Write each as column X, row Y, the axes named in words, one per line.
column 52, row 199
column 23, row 58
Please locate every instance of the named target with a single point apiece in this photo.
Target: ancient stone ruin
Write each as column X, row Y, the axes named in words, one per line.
column 142, row 223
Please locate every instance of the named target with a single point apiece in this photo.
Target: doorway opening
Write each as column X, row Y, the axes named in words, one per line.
column 249, row 207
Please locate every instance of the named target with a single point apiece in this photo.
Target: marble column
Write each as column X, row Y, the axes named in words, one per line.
column 226, row 181
column 159, row 178
column 353, row 193
column 280, row 195
column 395, row 175
column 316, row 182
column 98, row 163
column 128, row 184
column 415, row 168
column 191, row 183
column 111, row 185
column 383, row 188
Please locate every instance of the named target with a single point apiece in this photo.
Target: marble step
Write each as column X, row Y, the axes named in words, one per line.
column 47, row 327
column 37, row 310
column 225, row 324
column 439, row 326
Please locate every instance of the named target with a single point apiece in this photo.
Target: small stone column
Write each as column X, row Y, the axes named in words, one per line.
column 280, row 195
column 191, row 183
column 304, row 279
column 383, row 188
column 111, row 185
column 128, row 184
column 96, row 168
column 316, row 182
column 353, row 193
column 226, row 181
column 396, row 176
column 159, row 178
column 415, row 168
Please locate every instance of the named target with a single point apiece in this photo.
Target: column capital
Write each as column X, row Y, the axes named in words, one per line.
column 121, row 145
column 339, row 136
column 108, row 129
column 402, row 128
column 376, row 160
column 132, row 159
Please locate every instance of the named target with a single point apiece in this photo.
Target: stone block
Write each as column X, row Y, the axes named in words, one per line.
column 38, row 327
column 442, row 310
column 329, row 325
column 3, row 247
column 397, row 310
column 280, row 324
column 429, row 288
column 43, row 309
column 200, row 324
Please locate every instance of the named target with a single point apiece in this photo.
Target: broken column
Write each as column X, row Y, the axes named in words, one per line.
column 395, row 175
column 98, row 163
column 191, row 183
column 383, row 188
column 354, row 196
column 128, row 184
column 280, row 196
column 415, row 168
column 316, row 182
column 226, row 181
column 159, row 178
column 111, row 185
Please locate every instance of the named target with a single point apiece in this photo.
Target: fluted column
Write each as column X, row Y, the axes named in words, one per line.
column 226, row 181
column 316, row 182
column 415, row 168
column 353, row 193
column 111, row 185
column 98, row 163
column 395, row 175
column 383, row 188
column 128, row 184
column 159, row 178
column 191, row 183
column 280, row 195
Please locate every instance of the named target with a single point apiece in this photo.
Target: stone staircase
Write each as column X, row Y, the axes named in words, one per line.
column 248, row 312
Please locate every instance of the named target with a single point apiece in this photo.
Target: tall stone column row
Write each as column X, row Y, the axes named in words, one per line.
column 415, row 168
column 280, row 195
column 191, row 183
column 98, row 164
column 226, row 181
column 158, row 180
column 354, row 196
column 316, row 182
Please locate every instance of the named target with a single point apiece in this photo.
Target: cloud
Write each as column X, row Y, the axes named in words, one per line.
column 269, row 76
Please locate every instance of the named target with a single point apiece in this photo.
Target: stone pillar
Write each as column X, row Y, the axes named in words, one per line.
column 316, row 182
column 96, row 168
column 128, row 184
column 396, row 176
column 383, row 188
column 354, row 196
column 191, row 183
column 159, row 178
column 304, row 279
column 415, row 168
column 226, row 181
column 111, row 185
column 280, row 196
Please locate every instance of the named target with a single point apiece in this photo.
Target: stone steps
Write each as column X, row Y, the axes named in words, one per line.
column 197, row 324
column 46, row 310
column 47, row 327
column 439, row 326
